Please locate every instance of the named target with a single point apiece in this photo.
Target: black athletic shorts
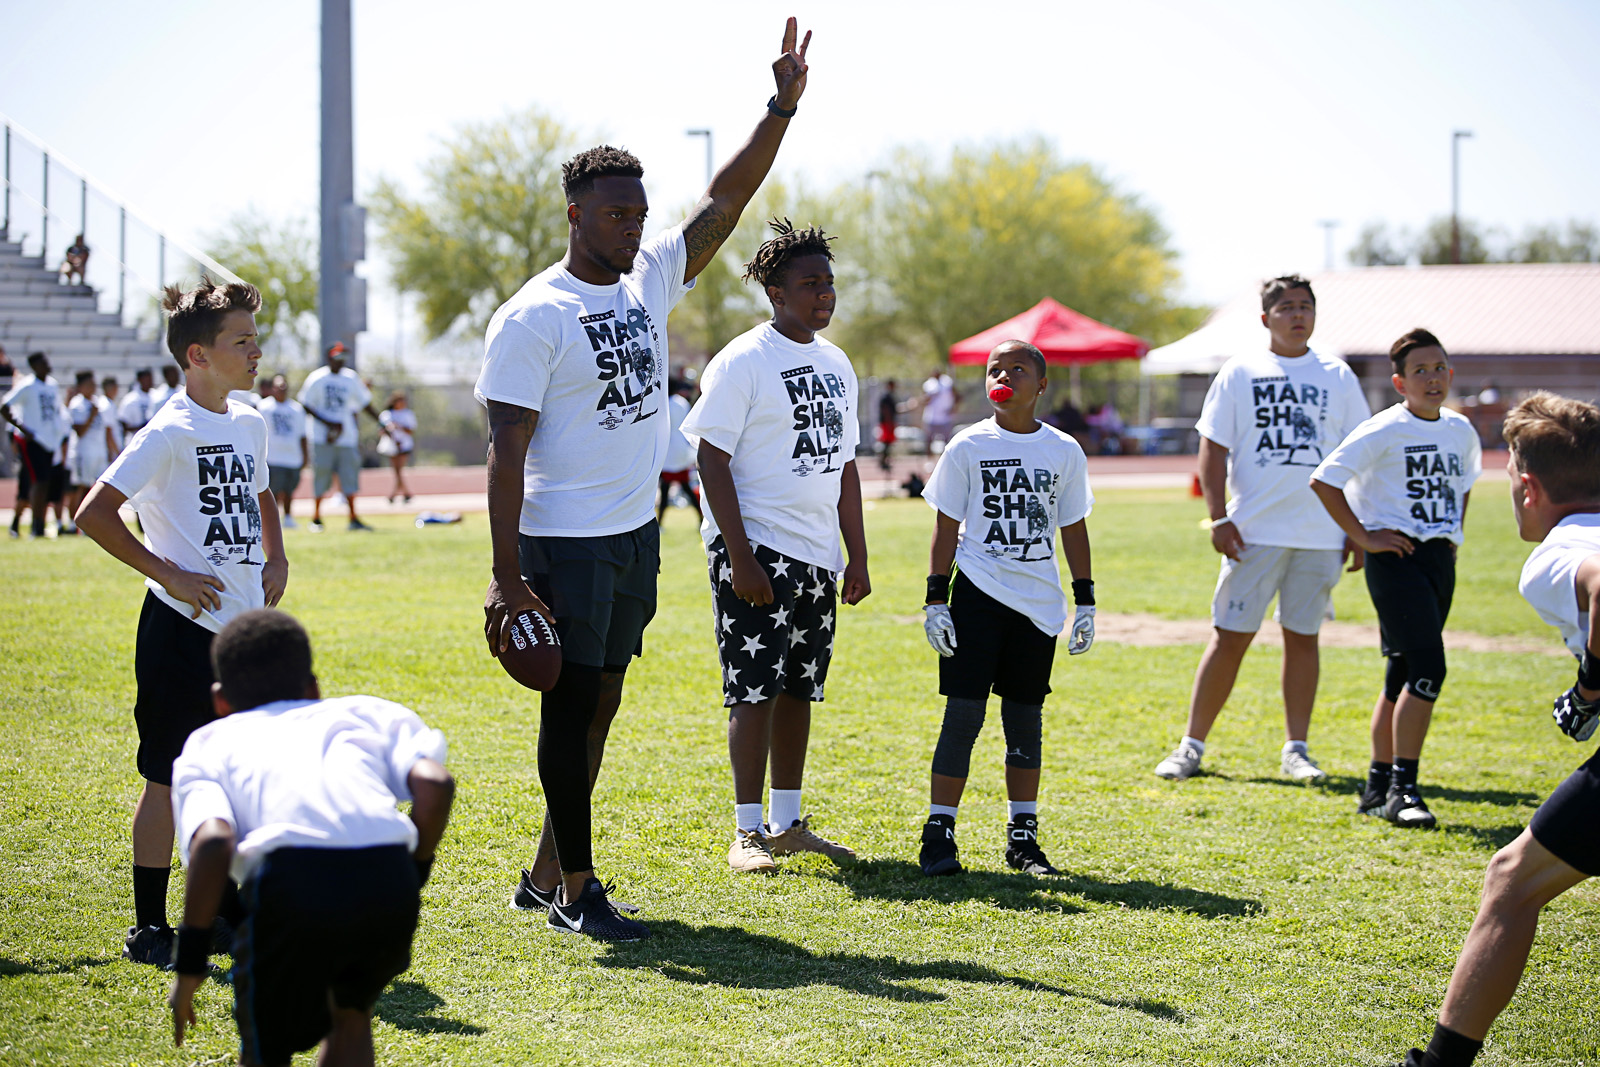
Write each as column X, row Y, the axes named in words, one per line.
column 1412, row 595
column 37, row 463
column 1568, row 824
column 172, row 665
column 320, row 924
column 602, row 590
column 997, row 648
column 784, row 646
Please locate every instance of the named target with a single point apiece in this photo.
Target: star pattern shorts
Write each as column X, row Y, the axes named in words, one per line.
column 781, row 647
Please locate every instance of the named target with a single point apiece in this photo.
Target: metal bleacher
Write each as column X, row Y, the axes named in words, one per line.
column 40, row 314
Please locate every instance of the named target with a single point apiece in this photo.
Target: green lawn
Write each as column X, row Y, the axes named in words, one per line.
column 1233, row 919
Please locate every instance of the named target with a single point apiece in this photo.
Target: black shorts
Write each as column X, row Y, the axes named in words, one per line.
column 1568, row 824
column 784, row 646
column 172, row 665
column 1412, row 595
column 997, row 648
column 602, row 590
column 320, row 925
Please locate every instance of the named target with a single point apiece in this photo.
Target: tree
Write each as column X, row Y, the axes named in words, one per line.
column 1377, row 247
column 492, row 215
column 1547, row 244
column 1434, row 246
column 278, row 257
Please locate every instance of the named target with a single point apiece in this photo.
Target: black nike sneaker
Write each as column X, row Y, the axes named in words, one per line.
column 593, row 915
column 529, row 897
column 151, row 945
column 939, row 846
column 1022, row 848
column 1405, row 807
column 1372, row 802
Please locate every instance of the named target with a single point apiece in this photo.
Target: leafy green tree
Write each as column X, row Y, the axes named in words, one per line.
column 1580, row 243
column 1434, row 245
column 491, row 216
column 278, row 257
column 1377, row 246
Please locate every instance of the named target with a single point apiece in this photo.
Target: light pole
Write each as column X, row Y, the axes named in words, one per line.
column 707, row 135
column 1455, row 193
column 1328, row 226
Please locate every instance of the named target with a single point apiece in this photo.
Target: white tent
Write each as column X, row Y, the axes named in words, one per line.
column 1233, row 328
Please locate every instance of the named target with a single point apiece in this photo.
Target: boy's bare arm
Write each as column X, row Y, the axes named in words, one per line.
column 210, row 855
column 857, row 585
column 98, row 519
column 275, row 571
column 433, row 791
column 1075, row 546
column 942, row 556
column 1339, row 509
column 1586, row 584
column 750, row 582
column 1225, row 536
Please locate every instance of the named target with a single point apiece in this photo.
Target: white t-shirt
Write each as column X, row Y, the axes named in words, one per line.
column 592, row 361
column 1012, row 492
column 36, row 404
column 1401, row 472
column 195, row 478
column 941, row 398
column 135, row 409
column 91, row 447
column 1278, row 417
column 680, row 453
column 402, row 424
column 303, row 773
column 336, row 396
column 1549, row 578
column 287, row 427
column 786, row 414
column 161, row 394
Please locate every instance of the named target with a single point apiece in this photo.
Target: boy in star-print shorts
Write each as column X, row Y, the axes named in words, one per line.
column 776, row 433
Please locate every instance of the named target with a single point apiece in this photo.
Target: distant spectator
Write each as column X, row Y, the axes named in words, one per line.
column 76, row 262
column 8, row 452
column 888, row 413
column 400, row 442
column 679, row 467
column 110, row 388
column 33, row 406
column 335, row 395
column 939, row 398
column 137, row 407
column 171, row 382
column 1105, row 429
column 1069, row 420
column 91, row 445
column 288, row 442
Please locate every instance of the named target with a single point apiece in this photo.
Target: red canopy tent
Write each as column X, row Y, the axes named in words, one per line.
column 1063, row 335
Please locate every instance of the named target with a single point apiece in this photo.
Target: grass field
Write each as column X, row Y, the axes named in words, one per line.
column 1233, row 919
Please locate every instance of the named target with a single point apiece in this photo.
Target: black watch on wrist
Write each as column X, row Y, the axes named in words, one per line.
column 773, row 108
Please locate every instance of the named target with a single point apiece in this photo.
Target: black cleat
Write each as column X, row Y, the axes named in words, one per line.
column 593, row 915
column 1405, row 807
column 1372, row 802
column 530, row 897
column 151, row 945
column 1022, row 850
column 939, row 846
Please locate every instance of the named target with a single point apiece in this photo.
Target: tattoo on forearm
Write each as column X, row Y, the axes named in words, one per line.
column 707, row 228
column 508, row 418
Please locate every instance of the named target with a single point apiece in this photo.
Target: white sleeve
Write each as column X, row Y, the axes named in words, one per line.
column 1351, row 459
column 1217, row 417
column 721, row 414
column 949, row 486
column 80, row 410
column 661, row 263
column 1357, row 410
column 11, row 395
column 198, row 795
column 1474, row 458
column 258, row 428
column 407, row 739
column 517, row 363
column 1075, row 501
column 852, row 430
column 144, row 463
column 361, row 395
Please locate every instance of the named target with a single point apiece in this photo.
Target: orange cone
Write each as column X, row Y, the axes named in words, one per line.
column 1194, row 487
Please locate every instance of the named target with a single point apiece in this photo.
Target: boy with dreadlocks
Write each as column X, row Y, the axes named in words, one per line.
column 776, row 432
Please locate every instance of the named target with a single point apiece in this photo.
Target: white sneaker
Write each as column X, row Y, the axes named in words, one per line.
column 1183, row 763
column 750, row 853
column 1297, row 764
column 288, row 523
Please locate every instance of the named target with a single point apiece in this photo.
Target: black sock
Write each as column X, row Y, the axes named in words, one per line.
column 1404, row 775
column 1378, row 776
column 564, row 717
column 1450, row 1049
column 150, row 895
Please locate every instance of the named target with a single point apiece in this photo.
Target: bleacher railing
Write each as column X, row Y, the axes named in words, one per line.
column 48, row 201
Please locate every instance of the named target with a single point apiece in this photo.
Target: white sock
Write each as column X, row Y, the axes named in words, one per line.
column 1022, row 807
column 783, row 809
column 1195, row 743
column 1299, row 746
column 747, row 816
column 942, row 809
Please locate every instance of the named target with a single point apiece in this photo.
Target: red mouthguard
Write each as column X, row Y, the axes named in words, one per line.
column 1000, row 394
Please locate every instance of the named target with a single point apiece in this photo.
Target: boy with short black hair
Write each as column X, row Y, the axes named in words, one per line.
column 1408, row 472
column 33, row 406
column 91, row 443
column 1555, row 494
column 776, row 433
column 294, row 796
column 197, row 473
column 1001, row 489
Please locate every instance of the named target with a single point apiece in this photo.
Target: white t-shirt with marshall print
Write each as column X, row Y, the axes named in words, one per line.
column 1012, row 492
column 1400, row 472
column 786, row 414
column 592, row 361
column 195, row 477
column 1279, row 417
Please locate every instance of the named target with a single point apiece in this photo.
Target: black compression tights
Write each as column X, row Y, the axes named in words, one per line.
column 564, row 718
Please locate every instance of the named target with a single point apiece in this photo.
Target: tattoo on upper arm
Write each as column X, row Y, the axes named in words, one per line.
column 707, row 228
column 508, row 418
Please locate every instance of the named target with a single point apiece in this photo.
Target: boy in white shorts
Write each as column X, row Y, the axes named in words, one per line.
column 1269, row 418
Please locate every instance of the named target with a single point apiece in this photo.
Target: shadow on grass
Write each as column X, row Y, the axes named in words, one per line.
column 10, row 968
column 409, row 1006
column 891, row 879
column 729, row 956
column 1492, row 838
column 1345, row 783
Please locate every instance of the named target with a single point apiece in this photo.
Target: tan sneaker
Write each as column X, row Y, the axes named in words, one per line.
column 799, row 838
column 750, row 853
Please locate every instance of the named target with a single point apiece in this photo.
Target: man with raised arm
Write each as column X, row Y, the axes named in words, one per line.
column 580, row 353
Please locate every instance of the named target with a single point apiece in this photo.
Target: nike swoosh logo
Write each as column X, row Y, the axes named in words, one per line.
column 575, row 927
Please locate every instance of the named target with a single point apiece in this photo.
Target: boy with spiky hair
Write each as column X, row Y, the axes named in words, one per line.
column 1398, row 487
column 197, row 473
column 1001, row 490
column 776, row 432
column 1555, row 493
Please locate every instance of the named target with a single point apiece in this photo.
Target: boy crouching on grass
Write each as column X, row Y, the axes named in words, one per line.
column 1001, row 489
column 1555, row 493
column 295, row 797
column 776, row 433
column 197, row 473
column 1398, row 487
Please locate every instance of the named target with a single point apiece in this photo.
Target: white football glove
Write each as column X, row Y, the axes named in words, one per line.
column 940, row 628
column 1082, row 630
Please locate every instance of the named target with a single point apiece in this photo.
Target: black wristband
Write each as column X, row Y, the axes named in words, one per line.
column 1083, row 592
column 1589, row 670
column 774, row 109
column 424, row 869
column 938, row 589
column 190, row 953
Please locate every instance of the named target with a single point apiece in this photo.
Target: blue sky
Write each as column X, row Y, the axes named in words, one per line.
column 1241, row 124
